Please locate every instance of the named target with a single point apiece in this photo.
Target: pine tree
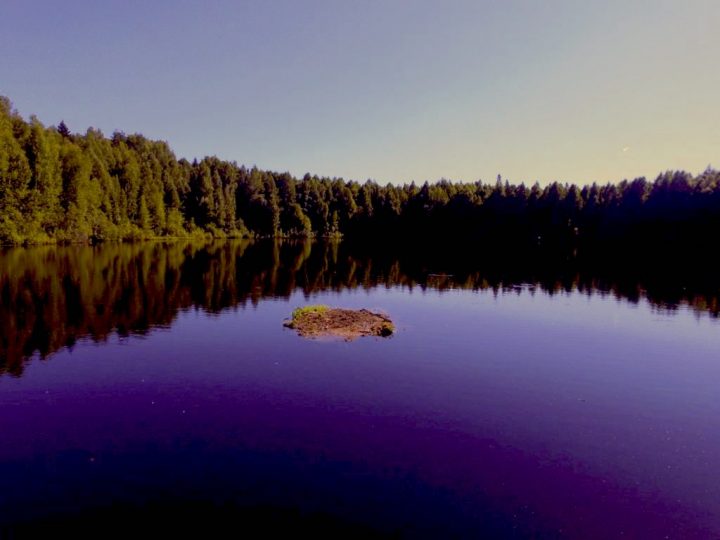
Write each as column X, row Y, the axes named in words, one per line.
column 63, row 130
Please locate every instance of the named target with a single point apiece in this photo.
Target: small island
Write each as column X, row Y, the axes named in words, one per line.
column 348, row 324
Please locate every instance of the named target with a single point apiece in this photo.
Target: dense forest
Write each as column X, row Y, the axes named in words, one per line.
column 51, row 297
column 58, row 186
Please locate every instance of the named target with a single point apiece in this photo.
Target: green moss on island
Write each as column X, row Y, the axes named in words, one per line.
column 299, row 313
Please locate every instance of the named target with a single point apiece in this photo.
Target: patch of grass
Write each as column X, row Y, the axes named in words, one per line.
column 306, row 310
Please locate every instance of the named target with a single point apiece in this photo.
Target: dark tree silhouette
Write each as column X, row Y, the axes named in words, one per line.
column 63, row 130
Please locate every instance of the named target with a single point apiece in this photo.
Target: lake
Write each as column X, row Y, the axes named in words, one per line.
column 521, row 396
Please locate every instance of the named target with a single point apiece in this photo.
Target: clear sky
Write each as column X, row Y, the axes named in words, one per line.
column 576, row 91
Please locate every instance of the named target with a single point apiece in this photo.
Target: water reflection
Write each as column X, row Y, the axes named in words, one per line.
column 52, row 296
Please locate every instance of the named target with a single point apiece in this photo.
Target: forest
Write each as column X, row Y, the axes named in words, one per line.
column 60, row 186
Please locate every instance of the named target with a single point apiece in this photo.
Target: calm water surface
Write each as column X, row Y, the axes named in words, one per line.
column 160, row 376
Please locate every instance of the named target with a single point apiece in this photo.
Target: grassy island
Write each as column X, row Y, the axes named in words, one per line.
column 323, row 321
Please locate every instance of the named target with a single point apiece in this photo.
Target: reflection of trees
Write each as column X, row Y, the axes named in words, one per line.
column 52, row 296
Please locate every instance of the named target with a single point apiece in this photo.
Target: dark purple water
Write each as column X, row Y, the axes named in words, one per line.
column 511, row 413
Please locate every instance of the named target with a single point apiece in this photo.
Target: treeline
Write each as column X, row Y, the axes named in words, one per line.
column 65, row 187
column 50, row 297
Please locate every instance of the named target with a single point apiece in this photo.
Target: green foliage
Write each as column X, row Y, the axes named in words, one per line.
column 56, row 186
column 9, row 233
column 174, row 223
column 301, row 312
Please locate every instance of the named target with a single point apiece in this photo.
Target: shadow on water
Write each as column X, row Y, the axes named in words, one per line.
column 52, row 296
column 193, row 519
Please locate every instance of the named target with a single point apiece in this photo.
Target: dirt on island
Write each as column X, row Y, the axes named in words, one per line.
column 348, row 324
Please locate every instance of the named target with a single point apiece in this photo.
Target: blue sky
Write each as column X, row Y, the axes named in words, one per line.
column 390, row 90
